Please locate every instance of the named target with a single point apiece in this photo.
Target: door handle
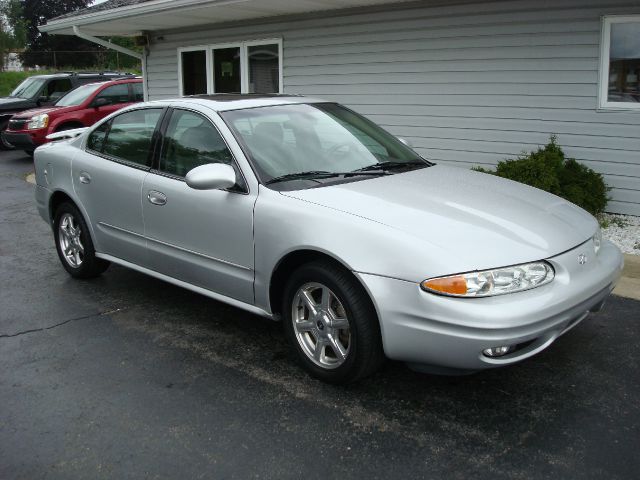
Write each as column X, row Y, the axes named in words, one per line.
column 84, row 177
column 157, row 198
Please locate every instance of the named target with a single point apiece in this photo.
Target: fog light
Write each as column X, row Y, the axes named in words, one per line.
column 497, row 351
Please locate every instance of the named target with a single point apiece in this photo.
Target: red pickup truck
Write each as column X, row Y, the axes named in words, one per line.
column 79, row 108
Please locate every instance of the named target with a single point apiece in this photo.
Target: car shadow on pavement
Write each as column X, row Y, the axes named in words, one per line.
column 566, row 394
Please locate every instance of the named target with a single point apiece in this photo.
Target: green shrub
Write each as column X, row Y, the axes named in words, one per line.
column 548, row 169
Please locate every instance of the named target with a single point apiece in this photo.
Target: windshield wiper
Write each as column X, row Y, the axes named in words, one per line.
column 313, row 174
column 393, row 165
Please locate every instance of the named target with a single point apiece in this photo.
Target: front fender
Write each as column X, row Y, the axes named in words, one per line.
column 283, row 225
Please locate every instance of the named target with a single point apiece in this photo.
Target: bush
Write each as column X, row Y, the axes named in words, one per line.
column 548, row 169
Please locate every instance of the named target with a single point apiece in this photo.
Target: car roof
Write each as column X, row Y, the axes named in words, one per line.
column 113, row 75
column 115, row 81
column 235, row 101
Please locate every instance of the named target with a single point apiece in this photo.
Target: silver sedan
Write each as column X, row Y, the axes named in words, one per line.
column 303, row 211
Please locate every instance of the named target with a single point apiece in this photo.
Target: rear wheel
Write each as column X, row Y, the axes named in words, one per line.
column 331, row 323
column 74, row 244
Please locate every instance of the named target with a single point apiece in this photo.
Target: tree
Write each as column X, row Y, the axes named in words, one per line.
column 11, row 37
column 40, row 46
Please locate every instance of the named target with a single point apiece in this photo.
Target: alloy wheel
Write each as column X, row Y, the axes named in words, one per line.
column 69, row 233
column 321, row 325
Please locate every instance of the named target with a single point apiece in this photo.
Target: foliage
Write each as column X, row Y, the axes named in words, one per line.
column 607, row 221
column 548, row 169
column 21, row 19
column 37, row 12
column 12, row 31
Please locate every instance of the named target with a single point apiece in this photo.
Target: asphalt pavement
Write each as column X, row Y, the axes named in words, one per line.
column 126, row 376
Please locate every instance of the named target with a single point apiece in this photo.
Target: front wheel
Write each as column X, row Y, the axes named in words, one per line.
column 74, row 244
column 331, row 323
column 4, row 145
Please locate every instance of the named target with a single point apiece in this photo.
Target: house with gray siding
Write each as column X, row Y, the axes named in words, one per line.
column 467, row 82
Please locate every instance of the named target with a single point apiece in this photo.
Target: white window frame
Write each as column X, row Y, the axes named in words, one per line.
column 603, row 76
column 244, row 62
column 195, row 48
column 254, row 43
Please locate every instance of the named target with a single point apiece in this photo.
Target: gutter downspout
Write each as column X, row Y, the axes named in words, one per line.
column 142, row 57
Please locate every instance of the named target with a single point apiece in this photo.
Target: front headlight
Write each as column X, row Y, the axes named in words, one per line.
column 487, row 283
column 597, row 240
column 38, row 121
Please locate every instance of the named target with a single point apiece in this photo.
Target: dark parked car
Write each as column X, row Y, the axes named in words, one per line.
column 79, row 108
column 42, row 90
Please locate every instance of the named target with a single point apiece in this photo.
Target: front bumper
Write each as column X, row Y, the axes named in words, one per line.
column 426, row 329
column 23, row 140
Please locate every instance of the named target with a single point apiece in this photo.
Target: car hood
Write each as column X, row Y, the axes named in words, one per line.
column 9, row 103
column 36, row 111
column 485, row 220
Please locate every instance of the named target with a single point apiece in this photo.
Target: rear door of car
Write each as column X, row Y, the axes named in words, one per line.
column 108, row 177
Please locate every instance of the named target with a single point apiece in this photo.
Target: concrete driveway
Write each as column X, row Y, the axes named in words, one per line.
column 129, row 377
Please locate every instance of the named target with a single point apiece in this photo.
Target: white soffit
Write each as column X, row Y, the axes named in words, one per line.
column 169, row 14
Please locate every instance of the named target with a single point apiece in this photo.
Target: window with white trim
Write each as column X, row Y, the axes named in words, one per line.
column 620, row 63
column 243, row 67
column 192, row 63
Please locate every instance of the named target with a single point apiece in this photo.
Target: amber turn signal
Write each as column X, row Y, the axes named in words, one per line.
column 455, row 285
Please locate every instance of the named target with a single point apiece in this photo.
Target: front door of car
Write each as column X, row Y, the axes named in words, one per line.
column 114, row 98
column 108, row 178
column 202, row 237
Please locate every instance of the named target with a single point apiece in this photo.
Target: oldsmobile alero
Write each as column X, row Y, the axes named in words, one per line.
column 304, row 211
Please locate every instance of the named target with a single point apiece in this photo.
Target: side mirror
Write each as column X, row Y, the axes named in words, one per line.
column 100, row 102
column 212, row 176
column 405, row 141
column 42, row 100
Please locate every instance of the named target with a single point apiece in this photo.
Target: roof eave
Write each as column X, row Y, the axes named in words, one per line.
column 65, row 25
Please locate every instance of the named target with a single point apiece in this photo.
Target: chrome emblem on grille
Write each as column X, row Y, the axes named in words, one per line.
column 582, row 259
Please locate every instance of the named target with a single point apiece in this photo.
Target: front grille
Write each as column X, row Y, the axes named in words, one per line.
column 17, row 124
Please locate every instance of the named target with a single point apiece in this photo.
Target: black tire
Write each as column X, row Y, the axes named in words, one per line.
column 90, row 266
column 4, row 145
column 365, row 354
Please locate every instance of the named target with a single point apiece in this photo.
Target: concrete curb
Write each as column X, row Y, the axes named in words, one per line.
column 629, row 284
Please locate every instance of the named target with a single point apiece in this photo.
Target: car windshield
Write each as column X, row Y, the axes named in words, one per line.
column 29, row 88
column 79, row 95
column 319, row 140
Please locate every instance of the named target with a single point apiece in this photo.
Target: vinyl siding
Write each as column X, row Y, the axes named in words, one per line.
column 468, row 84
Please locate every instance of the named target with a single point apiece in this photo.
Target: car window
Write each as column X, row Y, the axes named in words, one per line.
column 138, row 92
column 289, row 139
column 92, row 79
column 28, row 88
column 96, row 138
column 77, row 96
column 115, row 94
column 190, row 141
column 129, row 137
column 56, row 89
